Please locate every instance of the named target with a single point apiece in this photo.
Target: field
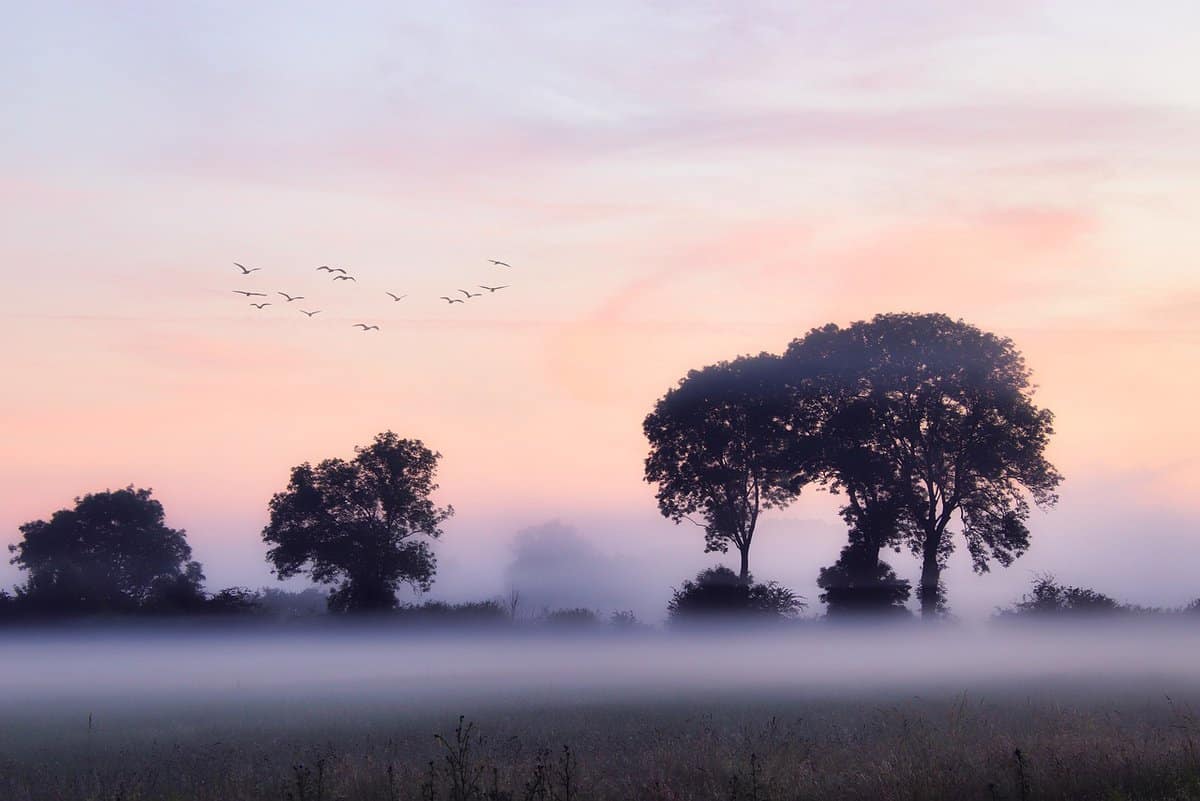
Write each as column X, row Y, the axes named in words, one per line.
column 281, row 732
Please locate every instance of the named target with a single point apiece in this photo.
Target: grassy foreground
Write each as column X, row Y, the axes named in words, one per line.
column 1008, row 743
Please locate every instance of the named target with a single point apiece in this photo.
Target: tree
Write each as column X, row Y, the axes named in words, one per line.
column 111, row 552
column 718, row 592
column 363, row 525
column 935, row 418
column 717, row 450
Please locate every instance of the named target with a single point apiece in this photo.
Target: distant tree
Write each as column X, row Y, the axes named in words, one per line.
column 718, row 592
column 111, row 552
column 717, row 448
column 937, row 418
column 362, row 525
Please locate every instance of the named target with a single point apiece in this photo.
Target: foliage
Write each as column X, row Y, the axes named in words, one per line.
column 572, row 618
column 933, row 419
column 362, row 525
column 112, row 552
column 718, row 592
column 717, row 451
column 1049, row 597
column 282, row 603
column 859, row 583
column 441, row 613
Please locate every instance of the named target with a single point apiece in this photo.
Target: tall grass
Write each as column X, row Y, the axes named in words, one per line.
column 1109, row 745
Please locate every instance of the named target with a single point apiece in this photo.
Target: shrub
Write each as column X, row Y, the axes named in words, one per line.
column 718, row 592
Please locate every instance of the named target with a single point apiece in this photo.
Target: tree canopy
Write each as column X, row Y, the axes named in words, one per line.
column 933, row 420
column 111, row 552
column 717, row 450
column 362, row 525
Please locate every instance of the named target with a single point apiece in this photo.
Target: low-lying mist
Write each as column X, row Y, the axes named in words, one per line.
column 243, row 662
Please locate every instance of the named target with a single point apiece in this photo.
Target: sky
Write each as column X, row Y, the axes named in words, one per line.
column 674, row 184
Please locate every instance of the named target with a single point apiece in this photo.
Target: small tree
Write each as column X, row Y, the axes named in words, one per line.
column 362, row 525
column 717, row 447
column 718, row 592
column 111, row 552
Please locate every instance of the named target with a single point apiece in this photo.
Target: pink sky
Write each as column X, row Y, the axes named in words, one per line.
column 673, row 185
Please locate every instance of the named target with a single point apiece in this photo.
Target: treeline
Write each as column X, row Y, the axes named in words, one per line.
column 924, row 426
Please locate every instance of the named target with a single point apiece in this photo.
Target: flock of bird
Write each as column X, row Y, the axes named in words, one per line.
column 341, row 274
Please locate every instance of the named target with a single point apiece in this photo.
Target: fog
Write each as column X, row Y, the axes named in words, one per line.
column 239, row 664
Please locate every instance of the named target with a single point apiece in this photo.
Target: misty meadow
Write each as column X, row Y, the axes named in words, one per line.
column 489, row 401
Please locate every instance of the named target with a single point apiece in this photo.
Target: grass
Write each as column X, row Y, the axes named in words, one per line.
column 1052, row 742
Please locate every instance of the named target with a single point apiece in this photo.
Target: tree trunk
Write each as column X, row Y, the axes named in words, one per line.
column 930, row 590
column 745, row 574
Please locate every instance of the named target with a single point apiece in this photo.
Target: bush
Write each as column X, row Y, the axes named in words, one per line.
column 1049, row 597
column 573, row 618
column 442, row 613
column 718, row 592
column 860, row 584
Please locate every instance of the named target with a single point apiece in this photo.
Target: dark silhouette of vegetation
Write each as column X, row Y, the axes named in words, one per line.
column 718, row 592
column 925, row 421
column 861, row 584
column 111, row 552
column 1048, row 596
column 717, row 451
column 572, row 618
column 362, row 525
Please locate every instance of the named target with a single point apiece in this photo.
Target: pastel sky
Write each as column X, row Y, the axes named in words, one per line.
column 674, row 183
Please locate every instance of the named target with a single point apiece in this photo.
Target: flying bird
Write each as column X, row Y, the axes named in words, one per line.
column 290, row 298
column 250, row 294
column 500, row 263
column 247, row 270
column 260, row 305
column 345, row 278
column 470, row 294
column 397, row 297
column 493, row 289
column 310, row 313
column 366, row 327
column 452, row 300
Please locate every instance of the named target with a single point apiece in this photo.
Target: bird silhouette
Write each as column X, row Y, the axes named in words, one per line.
column 326, row 268
column 471, row 294
column 366, row 327
column 250, row 294
column 310, row 313
column 246, row 270
column 493, row 289
column 397, row 298
column 500, row 263
column 452, row 300
column 345, row 278
column 260, row 305
column 290, row 298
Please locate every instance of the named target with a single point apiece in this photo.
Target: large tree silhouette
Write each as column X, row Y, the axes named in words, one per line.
column 934, row 419
column 111, row 552
column 363, row 525
column 717, row 451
